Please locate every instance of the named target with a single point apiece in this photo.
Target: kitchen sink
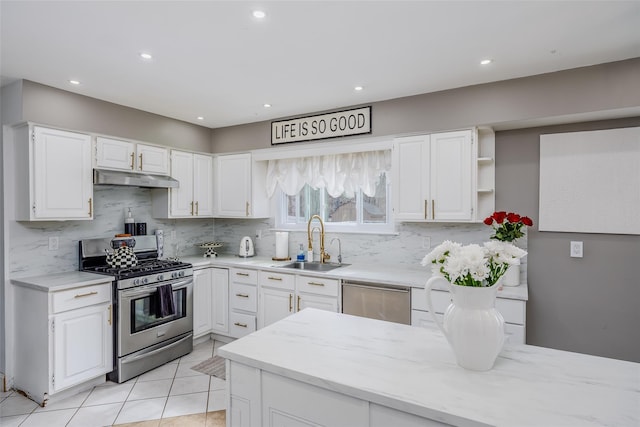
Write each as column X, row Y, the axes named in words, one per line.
column 313, row 266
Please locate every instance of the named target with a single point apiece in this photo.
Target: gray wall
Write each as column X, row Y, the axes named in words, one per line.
column 587, row 305
column 55, row 107
column 578, row 93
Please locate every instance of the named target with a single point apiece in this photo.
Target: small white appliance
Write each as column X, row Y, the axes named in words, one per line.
column 246, row 247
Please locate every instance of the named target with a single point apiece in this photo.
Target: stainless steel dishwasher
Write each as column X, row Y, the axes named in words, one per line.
column 377, row 301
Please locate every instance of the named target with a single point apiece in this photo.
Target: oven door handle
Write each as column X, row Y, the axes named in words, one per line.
column 151, row 289
column 158, row 350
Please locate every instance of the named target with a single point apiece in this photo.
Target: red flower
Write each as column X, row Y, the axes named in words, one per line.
column 513, row 217
column 488, row 220
column 499, row 216
column 527, row 221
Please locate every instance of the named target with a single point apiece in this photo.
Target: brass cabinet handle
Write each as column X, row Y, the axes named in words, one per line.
column 109, row 314
column 247, row 209
column 192, row 207
column 433, row 209
column 290, row 303
column 315, row 283
column 242, row 274
column 90, row 206
column 243, row 295
column 140, row 161
column 426, row 204
column 88, row 294
column 196, row 208
column 298, row 302
column 242, row 325
column 133, row 156
column 275, row 278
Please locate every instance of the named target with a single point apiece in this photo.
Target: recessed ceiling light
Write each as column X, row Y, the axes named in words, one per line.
column 200, row 118
column 486, row 61
column 358, row 88
column 267, row 105
column 145, row 55
column 260, row 14
column 74, row 82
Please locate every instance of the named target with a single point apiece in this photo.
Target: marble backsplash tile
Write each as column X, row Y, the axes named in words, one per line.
column 31, row 256
column 29, row 241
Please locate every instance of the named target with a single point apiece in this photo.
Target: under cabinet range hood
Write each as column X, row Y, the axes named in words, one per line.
column 109, row 177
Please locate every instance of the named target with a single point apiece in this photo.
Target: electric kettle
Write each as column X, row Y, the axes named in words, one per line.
column 246, row 247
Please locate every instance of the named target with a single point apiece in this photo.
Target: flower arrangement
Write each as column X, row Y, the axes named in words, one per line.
column 509, row 225
column 472, row 265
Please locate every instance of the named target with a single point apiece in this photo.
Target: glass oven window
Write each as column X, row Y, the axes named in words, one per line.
column 145, row 311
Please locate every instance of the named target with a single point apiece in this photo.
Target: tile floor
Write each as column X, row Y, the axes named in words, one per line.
column 170, row 395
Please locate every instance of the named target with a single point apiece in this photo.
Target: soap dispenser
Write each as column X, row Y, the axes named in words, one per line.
column 300, row 257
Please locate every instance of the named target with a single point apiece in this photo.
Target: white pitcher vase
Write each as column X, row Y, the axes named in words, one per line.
column 472, row 325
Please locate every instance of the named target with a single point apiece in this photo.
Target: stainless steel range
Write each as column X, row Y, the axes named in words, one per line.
column 154, row 305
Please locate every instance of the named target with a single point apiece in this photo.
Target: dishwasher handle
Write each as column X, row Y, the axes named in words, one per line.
column 376, row 286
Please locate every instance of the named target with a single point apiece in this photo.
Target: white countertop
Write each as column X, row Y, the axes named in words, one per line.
column 414, row 370
column 61, row 281
column 412, row 276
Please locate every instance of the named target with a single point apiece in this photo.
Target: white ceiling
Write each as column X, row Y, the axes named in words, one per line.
column 214, row 59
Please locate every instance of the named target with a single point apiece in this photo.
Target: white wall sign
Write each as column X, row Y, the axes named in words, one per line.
column 322, row 126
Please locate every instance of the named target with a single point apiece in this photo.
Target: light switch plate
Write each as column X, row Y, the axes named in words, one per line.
column 53, row 243
column 576, row 249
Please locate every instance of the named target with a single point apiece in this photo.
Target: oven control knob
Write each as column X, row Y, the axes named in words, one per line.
column 175, row 275
column 160, row 277
column 181, row 274
column 136, row 282
column 145, row 280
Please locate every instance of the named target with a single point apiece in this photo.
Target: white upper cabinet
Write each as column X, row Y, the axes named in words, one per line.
column 240, row 189
column 130, row 156
column 194, row 196
column 53, row 174
column 434, row 177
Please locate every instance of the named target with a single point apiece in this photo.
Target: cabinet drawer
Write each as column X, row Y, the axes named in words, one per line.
column 318, row 285
column 241, row 275
column 512, row 310
column 80, row 297
column 241, row 324
column 277, row 280
column 243, row 297
column 439, row 299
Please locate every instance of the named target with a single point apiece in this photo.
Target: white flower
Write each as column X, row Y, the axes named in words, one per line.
column 437, row 253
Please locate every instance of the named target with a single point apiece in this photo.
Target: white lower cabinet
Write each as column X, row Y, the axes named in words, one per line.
column 243, row 301
column 283, row 294
column 260, row 398
column 75, row 347
column 513, row 312
column 210, row 301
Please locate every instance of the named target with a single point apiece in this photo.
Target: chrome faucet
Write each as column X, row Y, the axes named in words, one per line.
column 323, row 255
column 339, row 248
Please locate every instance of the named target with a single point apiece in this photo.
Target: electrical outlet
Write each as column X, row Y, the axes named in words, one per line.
column 426, row 242
column 173, row 234
column 576, row 250
column 258, row 234
column 53, row 243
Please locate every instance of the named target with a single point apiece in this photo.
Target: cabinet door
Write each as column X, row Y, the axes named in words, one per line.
column 275, row 304
column 62, row 175
column 115, row 154
column 182, row 197
column 233, row 185
column 410, row 178
column 220, row 302
column 203, row 185
column 82, row 345
column 152, row 159
column 202, row 297
column 317, row 301
column 450, row 176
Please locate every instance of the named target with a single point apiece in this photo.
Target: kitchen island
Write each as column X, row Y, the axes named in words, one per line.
column 323, row 368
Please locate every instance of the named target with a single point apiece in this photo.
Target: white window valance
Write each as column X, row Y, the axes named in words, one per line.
column 338, row 173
